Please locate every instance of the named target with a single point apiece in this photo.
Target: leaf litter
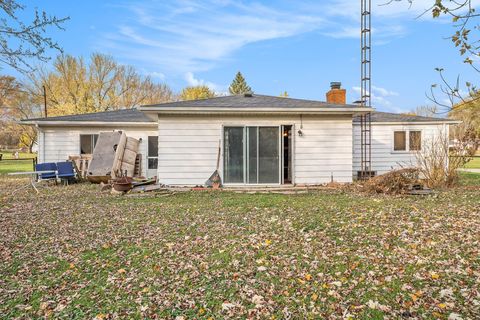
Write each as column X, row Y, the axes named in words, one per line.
column 72, row 252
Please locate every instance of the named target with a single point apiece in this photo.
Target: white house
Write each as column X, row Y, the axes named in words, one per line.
column 264, row 140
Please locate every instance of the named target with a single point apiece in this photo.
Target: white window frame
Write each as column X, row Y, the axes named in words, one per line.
column 92, row 141
column 148, row 152
column 407, row 142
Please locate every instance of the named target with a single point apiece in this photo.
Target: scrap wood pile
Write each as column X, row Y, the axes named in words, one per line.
column 131, row 185
column 115, row 164
column 113, row 157
column 402, row 181
column 81, row 163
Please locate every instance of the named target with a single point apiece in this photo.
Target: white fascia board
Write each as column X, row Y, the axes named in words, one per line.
column 412, row 122
column 88, row 123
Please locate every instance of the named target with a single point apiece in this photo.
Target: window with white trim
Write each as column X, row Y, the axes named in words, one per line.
column 152, row 152
column 404, row 140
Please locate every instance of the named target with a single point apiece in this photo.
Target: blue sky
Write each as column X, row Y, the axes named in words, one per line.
column 293, row 46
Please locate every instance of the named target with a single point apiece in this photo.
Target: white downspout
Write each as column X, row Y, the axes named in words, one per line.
column 41, row 144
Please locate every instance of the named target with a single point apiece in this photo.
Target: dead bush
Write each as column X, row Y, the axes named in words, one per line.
column 394, row 182
column 438, row 164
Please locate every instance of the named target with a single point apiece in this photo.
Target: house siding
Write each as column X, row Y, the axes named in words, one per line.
column 384, row 159
column 328, row 149
column 188, row 146
column 57, row 143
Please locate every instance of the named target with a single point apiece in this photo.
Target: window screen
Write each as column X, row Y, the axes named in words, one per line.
column 399, row 141
column 415, row 140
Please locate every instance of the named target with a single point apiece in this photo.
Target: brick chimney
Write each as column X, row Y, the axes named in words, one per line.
column 336, row 95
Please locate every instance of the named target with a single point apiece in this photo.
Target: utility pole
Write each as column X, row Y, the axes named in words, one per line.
column 45, row 101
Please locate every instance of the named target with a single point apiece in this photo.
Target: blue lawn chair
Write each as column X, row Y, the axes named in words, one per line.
column 48, row 166
column 65, row 171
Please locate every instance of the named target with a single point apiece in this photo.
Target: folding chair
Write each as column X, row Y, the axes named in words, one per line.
column 65, row 172
column 49, row 166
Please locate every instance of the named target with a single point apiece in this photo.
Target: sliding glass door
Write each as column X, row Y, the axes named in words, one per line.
column 252, row 155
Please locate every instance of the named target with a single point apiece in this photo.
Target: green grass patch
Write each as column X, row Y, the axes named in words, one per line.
column 469, row 178
column 8, row 164
column 474, row 163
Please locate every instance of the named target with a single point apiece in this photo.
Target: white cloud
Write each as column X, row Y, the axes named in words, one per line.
column 380, row 98
column 192, row 81
column 383, row 92
column 182, row 36
column 157, row 75
column 195, row 36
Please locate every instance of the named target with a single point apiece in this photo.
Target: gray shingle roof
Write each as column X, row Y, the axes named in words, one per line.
column 255, row 100
column 134, row 115
column 378, row 116
column 124, row 115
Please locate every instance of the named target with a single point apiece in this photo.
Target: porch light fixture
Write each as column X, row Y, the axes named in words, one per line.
column 300, row 132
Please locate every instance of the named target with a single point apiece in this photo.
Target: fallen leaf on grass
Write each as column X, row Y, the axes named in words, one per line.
column 454, row 316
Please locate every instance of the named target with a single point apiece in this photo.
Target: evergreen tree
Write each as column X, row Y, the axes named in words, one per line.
column 239, row 85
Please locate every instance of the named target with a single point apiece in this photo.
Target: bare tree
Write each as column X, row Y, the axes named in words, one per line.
column 425, row 111
column 21, row 42
column 8, row 87
column 15, row 104
column 74, row 86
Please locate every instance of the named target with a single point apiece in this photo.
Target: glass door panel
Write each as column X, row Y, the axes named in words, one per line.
column 252, row 152
column 268, row 155
column 233, row 154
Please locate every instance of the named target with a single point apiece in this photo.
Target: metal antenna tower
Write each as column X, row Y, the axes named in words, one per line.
column 366, row 89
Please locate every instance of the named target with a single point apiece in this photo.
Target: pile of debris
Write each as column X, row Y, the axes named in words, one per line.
column 116, row 164
column 114, row 157
column 402, row 181
column 126, row 184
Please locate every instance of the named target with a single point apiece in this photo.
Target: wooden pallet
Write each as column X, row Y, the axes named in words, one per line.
column 137, row 172
column 81, row 163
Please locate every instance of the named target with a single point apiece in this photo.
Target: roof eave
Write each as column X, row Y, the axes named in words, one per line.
column 417, row 122
column 45, row 123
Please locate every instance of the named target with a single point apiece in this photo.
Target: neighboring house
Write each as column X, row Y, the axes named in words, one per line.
column 264, row 140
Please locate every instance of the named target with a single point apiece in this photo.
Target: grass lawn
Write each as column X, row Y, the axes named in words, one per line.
column 469, row 178
column 75, row 253
column 474, row 163
column 7, row 165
